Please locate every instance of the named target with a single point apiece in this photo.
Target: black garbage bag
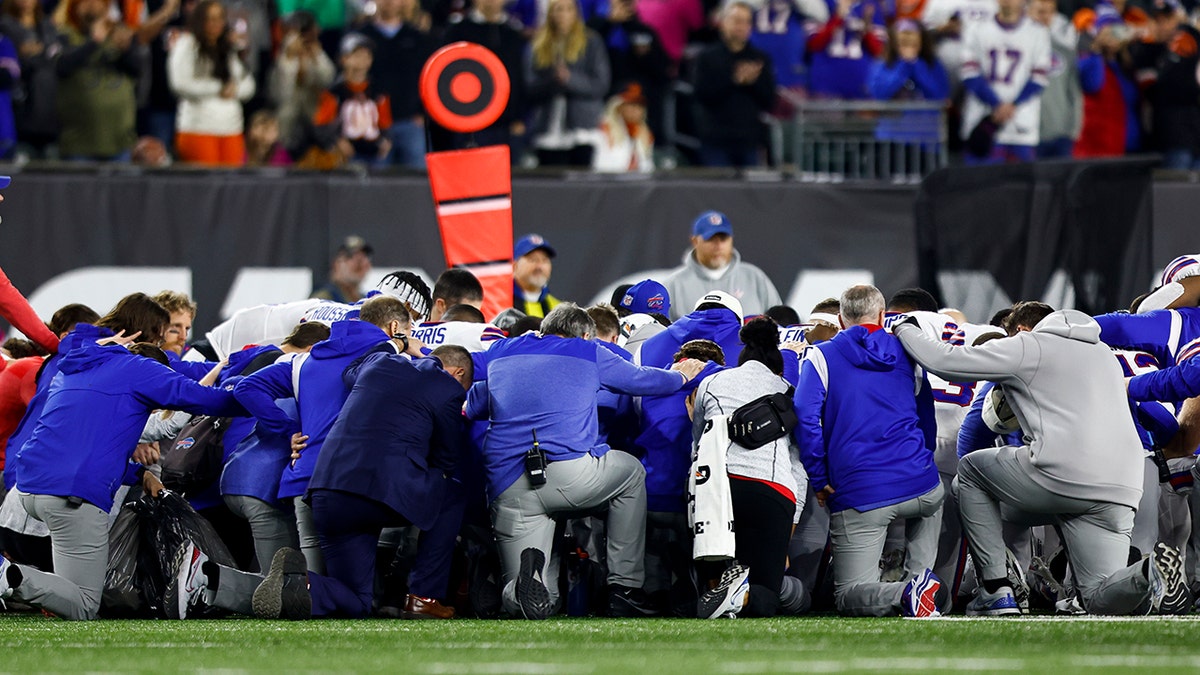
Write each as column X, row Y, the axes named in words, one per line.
column 166, row 523
column 122, row 595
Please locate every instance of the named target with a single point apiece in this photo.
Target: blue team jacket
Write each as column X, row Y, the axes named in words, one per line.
column 83, row 332
column 864, row 428
column 400, row 434
column 322, row 393
column 95, row 411
column 549, row 383
column 666, row 430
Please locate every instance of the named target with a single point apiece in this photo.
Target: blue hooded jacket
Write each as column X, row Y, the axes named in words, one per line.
column 255, row 461
column 867, row 426
column 83, row 332
column 666, row 434
column 319, row 400
column 95, row 411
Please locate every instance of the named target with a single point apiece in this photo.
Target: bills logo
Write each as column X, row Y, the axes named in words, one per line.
column 185, row 443
column 655, row 302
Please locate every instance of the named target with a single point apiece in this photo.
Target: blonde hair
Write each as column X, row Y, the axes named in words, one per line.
column 174, row 301
column 548, row 47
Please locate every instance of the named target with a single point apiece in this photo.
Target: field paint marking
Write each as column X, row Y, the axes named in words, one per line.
column 827, row 666
column 499, row 668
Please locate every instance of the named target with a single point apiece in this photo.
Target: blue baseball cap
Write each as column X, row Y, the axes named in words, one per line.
column 647, row 297
column 710, row 224
column 530, row 243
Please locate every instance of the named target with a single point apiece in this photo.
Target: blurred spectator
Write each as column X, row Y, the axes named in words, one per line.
column 211, row 82
column 626, row 144
column 401, row 48
column 779, row 31
column 734, row 86
column 350, row 266
column 1006, row 63
column 1110, row 96
column 948, row 21
column 301, row 72
column 635, row 54
column 159, row 30
column 673, row 20
column 10, row 81
column 568, row 76
column 1170, row 82
column 354, row 115
column 489, row 25
column 1062, row 100
column 38, row 46
column 908, row 69
column 263, row 145
column 331, row 18
column 96, row 72
column 149, row 151
column 1133, row 16
column 251, row 25
column 842, row 49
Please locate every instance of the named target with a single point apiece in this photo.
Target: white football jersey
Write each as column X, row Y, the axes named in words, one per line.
column 259, row 325
column 951, row 400
column 474, row 337
column 1007, row 57
column 970, row 12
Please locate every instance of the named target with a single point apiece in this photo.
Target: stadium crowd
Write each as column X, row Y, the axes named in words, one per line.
column 694, row 448
column 322, row 83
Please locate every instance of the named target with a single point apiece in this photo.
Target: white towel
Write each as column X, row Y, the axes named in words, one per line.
column 710, row 507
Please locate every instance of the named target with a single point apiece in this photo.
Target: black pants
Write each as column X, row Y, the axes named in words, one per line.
column 762, row 520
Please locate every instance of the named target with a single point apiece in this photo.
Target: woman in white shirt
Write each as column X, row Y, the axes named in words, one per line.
column 211, row 81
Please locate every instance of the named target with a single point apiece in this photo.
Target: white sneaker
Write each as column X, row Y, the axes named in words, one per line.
column 185, row 588
column 1000, row 603
column 729, row 596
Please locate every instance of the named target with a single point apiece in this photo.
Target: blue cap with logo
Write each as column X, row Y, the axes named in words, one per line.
column 710, row 224
column 647, row 297
column 530, row 243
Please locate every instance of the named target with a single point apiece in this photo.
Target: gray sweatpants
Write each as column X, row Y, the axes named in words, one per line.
column 310, row 543
column 79, row 542
column 271, row 528
column 1096, row 534
column 858, row 539
column 523, row 517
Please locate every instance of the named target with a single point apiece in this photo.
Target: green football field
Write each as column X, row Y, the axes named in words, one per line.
column 31, row 643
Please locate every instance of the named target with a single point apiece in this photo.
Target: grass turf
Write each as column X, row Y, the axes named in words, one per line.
column 31, row 643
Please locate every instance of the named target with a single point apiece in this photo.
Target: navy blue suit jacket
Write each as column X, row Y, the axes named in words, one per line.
column 398, row 437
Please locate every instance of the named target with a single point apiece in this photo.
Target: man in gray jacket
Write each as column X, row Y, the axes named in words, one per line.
column 1081, row 465
column 714, row 265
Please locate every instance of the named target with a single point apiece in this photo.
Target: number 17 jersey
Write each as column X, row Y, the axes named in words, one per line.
column 1007, row 56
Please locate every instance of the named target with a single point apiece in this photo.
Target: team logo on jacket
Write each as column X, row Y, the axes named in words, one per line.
column 185, row 443
column 655, row 301
column 702, row 475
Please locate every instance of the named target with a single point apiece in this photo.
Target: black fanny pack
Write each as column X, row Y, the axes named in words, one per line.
column 763, row 420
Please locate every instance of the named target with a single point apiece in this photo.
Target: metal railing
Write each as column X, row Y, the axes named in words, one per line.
column 900, row 142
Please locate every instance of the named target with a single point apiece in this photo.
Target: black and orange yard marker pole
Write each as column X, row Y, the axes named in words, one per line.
column 465, row 88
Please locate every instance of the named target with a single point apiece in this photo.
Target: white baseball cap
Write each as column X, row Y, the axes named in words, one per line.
column 723, row 299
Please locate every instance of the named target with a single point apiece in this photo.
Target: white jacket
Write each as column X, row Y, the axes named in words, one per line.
column 1067, row 391
column 201, row 109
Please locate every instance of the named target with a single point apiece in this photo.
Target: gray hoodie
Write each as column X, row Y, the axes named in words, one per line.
column 744, row 281
column 1067, row 391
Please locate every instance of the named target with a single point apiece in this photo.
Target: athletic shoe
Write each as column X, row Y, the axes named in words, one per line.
column 6, row 590
column 283, row 593
column 1169, row 593
column 188, row 582
column 1016, row 581
column 1000, row 603
column 629, row 603
column 729, row 595
column 1069, row 607
column 532, row 595
column 919, row 598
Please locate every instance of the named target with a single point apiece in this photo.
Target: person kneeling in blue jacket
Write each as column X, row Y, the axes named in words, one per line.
column 73, row 463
